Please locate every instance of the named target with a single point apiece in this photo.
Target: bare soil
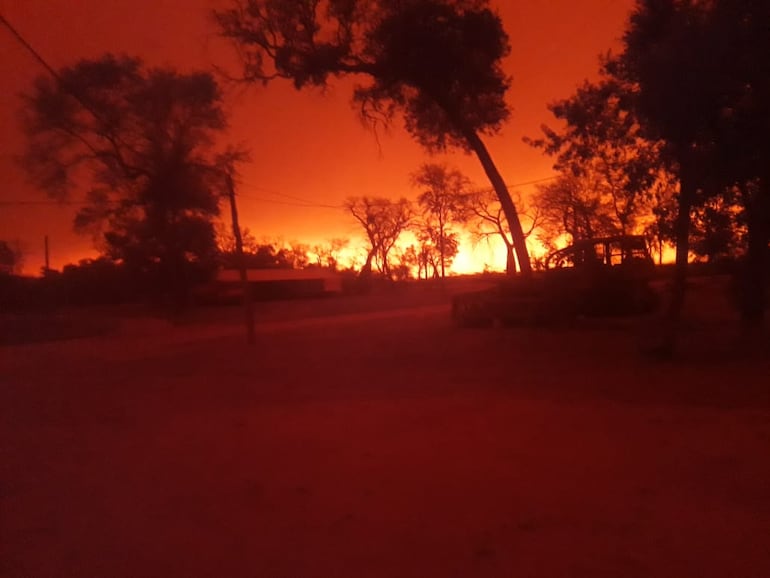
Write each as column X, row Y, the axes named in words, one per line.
column 373, row 439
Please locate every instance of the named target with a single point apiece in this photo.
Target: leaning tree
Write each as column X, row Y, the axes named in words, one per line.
column 437, row 62
column 484, row 213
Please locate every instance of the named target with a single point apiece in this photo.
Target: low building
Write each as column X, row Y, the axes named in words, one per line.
column 267, row 284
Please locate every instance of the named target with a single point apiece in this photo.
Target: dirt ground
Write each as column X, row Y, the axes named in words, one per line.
column 379, row 441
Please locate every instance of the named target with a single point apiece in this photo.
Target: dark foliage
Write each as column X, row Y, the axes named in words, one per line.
column 10, row 258
column 700, row 79
column 383, row 222
column 90, row 282
column 267, row 256
column 139, row 141
column 437, row 62
column 442, row 194
column 602, row 147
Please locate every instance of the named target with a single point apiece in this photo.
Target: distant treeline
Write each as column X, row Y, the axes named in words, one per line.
column 104, row 281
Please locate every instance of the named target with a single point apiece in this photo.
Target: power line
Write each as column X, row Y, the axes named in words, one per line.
column 25, row 43
column 532, row 182
column 287, row 203
column 304, row 202
column 29, row 47
column 300, row 201
column 278, row 193
column 15, row 202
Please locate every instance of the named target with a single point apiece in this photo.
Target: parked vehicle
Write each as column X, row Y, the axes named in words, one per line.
column 608, row 276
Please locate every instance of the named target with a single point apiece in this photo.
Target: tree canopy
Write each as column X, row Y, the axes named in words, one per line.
column 699, row 82
column 10, row 258
column 383, row 222
column 602, row 145
column 571, row 205
column 436, row 62
column 442, row 192
column 137, row 143
column 483, row 212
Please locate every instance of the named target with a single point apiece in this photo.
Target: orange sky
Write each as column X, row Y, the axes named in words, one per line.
column 304, row 144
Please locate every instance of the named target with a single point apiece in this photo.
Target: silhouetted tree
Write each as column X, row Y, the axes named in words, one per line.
column 436, row 61
column 740, row 41
column 601, row 141
column 572, row 206
column 661, row 228
column 268, row 255
column 717, row 232
column 436, row 250
column 406, row 262
column 11, row 258
column 667, row 60
column 97, row 281
column 297, row 254
column 442, row 203
column 226, row 239
column 328, row 254
column 701, row 85
column 139, row 141
column 484, row 213
column 383, row 221
column 425, row 259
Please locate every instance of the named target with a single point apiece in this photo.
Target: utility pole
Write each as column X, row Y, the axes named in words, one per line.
column 47, row 259
column 248, row 306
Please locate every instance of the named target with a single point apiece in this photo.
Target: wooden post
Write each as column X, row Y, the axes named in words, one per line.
column 248, row 306
column 47, row 259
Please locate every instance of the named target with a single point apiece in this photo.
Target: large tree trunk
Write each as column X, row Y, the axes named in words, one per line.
column 509, row 209
column 366, row 270
column 441, row 250
column 660, row 252
column 510, row 260
column 671, row 327
column 754, row 279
